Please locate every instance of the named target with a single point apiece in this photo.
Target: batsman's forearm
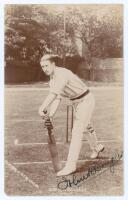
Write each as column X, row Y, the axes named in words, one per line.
column 53, row 107
column 49, row 99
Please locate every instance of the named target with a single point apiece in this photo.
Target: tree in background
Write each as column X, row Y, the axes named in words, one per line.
column 32, row 30
column 23, row 35
column 100, row 31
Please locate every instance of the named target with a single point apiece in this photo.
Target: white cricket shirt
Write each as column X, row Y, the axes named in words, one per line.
column 65, row 83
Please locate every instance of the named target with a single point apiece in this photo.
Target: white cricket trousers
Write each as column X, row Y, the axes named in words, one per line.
column 82, row 115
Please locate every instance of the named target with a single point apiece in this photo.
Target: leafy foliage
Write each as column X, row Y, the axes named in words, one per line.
column 32, row 30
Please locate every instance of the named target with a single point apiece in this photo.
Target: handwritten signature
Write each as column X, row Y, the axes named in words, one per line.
column 91, row 171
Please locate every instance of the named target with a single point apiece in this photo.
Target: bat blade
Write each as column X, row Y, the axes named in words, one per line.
column 53, row 150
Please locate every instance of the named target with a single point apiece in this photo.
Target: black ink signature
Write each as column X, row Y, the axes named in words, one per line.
column 92, row 170
column 115, row 160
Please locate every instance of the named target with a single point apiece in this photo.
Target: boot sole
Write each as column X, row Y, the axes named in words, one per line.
column 101, row 151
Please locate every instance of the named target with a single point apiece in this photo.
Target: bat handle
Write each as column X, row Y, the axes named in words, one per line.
column 48, row 128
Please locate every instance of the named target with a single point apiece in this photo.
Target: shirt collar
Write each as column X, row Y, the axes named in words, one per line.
column 53, row 75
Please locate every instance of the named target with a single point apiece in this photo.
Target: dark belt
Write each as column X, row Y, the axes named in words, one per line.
column 82, row 95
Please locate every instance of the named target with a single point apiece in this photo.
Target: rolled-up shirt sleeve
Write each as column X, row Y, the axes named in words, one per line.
column 58, row 84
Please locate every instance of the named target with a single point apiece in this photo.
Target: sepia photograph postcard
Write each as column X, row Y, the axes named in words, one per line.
column 64, row 99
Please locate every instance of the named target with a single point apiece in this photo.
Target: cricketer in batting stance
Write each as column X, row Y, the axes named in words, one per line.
column 63, row 83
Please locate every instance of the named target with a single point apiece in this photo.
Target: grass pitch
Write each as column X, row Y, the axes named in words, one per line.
column 22, row 122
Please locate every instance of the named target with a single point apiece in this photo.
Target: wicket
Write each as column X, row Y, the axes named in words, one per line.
column 69, row 108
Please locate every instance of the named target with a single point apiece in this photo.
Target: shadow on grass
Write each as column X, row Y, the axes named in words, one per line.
column 98, row 165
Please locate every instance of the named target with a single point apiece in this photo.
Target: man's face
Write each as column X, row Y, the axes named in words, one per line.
column 48, row 67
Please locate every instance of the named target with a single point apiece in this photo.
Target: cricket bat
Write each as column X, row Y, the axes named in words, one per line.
column 53, row 149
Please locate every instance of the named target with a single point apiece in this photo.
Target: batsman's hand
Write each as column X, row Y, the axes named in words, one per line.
column 41, row 112
column 48, row 123
column 47, row 120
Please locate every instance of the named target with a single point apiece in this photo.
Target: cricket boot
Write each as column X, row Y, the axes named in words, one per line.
column 96, row 151
column 68, row 169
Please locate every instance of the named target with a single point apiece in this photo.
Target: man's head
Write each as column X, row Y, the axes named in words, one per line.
column 47, row 63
